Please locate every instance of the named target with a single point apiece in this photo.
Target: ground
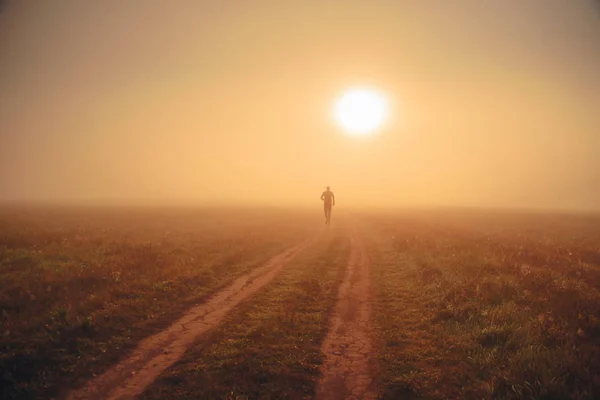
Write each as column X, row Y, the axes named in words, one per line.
column 255, row 303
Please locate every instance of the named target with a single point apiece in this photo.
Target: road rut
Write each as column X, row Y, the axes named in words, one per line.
column 153, row 355
column 349, row 368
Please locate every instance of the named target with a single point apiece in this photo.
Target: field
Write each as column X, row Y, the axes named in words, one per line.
column 158, row 303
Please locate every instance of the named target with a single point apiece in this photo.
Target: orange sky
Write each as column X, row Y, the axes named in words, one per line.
column 494, row 103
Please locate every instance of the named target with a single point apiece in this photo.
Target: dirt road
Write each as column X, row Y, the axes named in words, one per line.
column 347, row 372
column 153, row 355
column 349, row 369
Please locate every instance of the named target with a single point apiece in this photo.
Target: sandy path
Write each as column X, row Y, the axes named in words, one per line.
column 153, row 355
column 349, row 369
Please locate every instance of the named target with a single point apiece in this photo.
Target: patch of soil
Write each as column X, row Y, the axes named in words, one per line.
column 349, row 368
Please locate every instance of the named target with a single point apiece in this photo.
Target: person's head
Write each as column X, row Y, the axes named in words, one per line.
column 328, row 188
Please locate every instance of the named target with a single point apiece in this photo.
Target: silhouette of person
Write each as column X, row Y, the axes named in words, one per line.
column 328, row 201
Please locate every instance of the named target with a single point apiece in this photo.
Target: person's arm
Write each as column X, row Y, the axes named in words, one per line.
column 333, row 197
column 323, row 196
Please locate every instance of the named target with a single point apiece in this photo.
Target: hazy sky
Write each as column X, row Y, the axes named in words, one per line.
column 495, row 103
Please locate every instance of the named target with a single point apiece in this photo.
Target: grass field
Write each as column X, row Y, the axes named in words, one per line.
column 465, row 304
column 476, row 305
column 80, row 287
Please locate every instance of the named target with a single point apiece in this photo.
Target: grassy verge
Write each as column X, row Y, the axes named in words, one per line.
column 469, row 310
column 81, row 287
column 270, row 347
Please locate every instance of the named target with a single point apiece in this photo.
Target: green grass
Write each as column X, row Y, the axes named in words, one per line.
column 269, row 348
column 82, row 286
column 505, row 309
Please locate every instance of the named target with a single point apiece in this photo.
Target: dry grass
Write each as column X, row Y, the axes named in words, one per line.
column 466, row 304
column 270, row 347
column 81, row 286
column 477, row 305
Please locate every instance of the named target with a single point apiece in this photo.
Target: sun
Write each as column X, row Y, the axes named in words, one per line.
column 361, row 111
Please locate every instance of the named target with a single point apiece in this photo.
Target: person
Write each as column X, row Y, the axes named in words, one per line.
column 328, row 201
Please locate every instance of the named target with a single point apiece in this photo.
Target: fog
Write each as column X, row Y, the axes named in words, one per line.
column 493, row 103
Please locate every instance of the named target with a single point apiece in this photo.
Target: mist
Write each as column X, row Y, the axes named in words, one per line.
column 493, row 104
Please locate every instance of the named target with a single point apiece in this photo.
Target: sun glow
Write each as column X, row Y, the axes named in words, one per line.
column 361, row 111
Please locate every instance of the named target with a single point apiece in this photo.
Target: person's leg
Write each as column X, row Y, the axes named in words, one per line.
column 328, row 212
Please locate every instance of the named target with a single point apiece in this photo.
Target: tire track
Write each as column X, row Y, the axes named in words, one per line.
column 349, row 368
column 153, row 355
